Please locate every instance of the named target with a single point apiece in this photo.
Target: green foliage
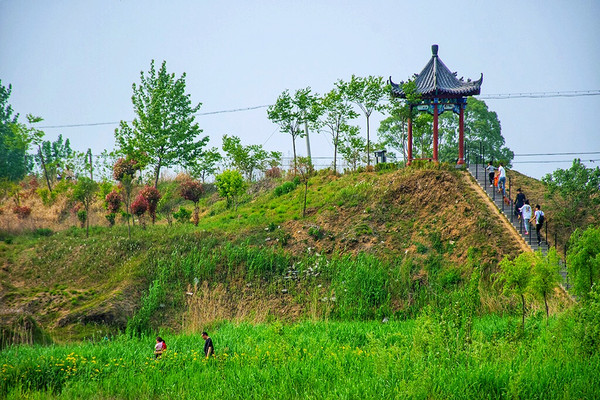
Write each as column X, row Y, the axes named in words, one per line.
column 206, row 164
column 13, row 143
column 573, row 192
column 353, row 147
column 515, row 277
column 583, row 260
column 168, row 202
column 230, row 184
column 139, row 324
column 286, row 187
column 587, row 323
column 85, row 192
column 367, row 93
column 291, row 113
column 546, row 276
column 316, row 232
column 183, row 215
column 164, row 132
column 336, row 111
column 248, row 159
column 361, row 287
column 82, row 217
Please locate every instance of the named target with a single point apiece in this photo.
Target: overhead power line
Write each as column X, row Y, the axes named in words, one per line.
column 556, row 154
column 532, row 95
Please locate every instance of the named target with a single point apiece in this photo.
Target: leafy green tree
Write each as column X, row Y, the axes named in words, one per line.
column 291, row 113
column 168, row 203
column 336, row 111
column 249, row 158
column 29, row 134
column 230, row 184
column 583, row 259
column 205, row 165
column 367, row 93
column 352, row 147
column 13, row 144
column 164, row 132
column 515, row 277
column 85, row 192
column 54, row 157
column 573, row 192
column 124, row 171
column 481, row 126
column 546, row 276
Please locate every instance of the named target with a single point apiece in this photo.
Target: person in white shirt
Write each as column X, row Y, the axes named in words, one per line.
column 539, row 221
column 502, row 180
column 526, row 215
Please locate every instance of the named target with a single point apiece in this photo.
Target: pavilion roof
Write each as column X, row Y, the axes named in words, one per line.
column 436, row 80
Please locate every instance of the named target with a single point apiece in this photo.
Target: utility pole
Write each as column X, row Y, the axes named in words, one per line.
column 307, row 140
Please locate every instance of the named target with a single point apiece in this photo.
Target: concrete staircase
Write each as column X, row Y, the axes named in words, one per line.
column 478, row 172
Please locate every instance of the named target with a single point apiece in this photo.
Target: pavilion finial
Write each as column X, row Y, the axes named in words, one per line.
column 434, row 50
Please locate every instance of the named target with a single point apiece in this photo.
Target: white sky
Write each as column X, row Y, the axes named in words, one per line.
column 74, row 62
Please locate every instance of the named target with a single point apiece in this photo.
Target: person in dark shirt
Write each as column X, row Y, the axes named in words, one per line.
column 209, row 348
column 519, row 201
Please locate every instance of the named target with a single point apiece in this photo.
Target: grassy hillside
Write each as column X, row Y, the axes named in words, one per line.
column 373, row 245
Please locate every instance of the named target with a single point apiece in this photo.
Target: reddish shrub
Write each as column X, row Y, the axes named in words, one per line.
column 152, row 196
column 113, row 202
column 191, row 190
column 22, row 211
column 139, row 206
column 273, row 173
column 124, row 167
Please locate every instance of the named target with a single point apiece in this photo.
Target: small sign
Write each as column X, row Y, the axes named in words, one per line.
column 448, row 106
column 423, row 107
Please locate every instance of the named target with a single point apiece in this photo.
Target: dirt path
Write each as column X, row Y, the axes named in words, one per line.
column 510, row 230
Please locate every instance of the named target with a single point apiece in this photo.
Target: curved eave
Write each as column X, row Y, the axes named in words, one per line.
column 442, row 89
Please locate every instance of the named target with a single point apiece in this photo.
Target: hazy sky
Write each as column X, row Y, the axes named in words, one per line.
column 73, row 62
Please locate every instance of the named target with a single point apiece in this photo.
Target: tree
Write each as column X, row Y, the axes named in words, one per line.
column 230, row 184
column 168, row 202
column 367, row 94
column 515, row 277
column 206, row 164
column 85, row 192
column 546, row 276
column 290, row 113
column 164, row 132
column 26, row 135
column 123, row 171
column 481, row 126
column 139, row 208
column 192, row 190
column 249, row 158
column 573, row 192
column 152, row 196
column 583, row 259
column 335, row 113
column 13, row 145
column 352, row 147
column 53, row 157
column 306, row 170
column 113, row 204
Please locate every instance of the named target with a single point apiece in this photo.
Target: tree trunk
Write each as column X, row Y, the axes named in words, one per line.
column 157, row 174
column 294, row 147
column 91, row 166
column 368, row 144
column 44, row 165
column 87, row 221
column 305, row 191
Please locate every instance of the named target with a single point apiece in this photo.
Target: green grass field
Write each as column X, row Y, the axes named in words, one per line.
column 426, row 358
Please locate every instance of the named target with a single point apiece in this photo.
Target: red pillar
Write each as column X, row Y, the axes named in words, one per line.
column 409, row 147
column 435, row 131
column 461, row 135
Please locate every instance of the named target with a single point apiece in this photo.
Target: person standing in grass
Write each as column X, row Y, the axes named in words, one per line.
column 159, row 347
column 209, row 348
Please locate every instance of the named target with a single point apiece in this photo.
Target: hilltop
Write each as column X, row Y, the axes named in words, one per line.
column 418, row 236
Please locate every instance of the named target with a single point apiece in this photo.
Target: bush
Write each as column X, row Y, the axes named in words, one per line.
column 111, row 218
column 273, row 173
column 587, row 319
column 316, row 232
column 152, row 196
column 139, row 206
column 22, row 211
column 113, row 202
column 82, row 217
column 39, row 232
column 182, row 215
column 286, row 187
column 124, row 167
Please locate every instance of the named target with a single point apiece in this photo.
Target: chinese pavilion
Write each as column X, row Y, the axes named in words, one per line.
column 440, row 91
